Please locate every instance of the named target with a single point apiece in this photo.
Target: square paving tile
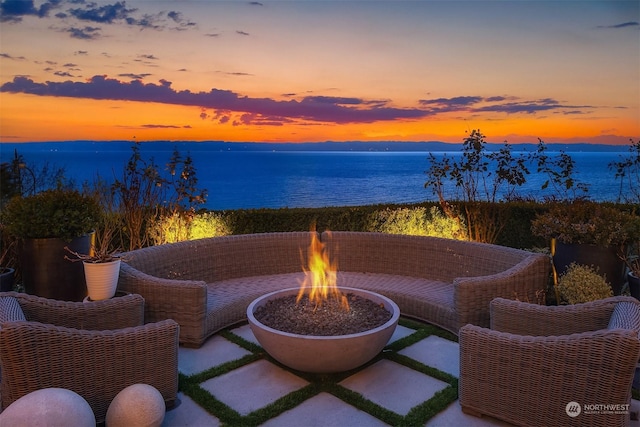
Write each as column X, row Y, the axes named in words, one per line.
column 400, row 333
column 323, row 410
column 393, row 386
column 189, row 414
column 215, row 351
column 246, row 333
column 253, row 386
column 437, row 352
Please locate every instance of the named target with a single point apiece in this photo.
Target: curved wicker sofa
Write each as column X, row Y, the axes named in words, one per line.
column 206, row 285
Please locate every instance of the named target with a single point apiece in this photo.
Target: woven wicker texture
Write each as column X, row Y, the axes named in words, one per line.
column 462, row 277
column 10, row 310
column 173, row 278
column 625, row 316
column 206, row 285
column 528, row 378
column 96, row 363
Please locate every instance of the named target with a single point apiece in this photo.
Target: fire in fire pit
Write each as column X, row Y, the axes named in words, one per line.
column 321, row 320
column 321, row 276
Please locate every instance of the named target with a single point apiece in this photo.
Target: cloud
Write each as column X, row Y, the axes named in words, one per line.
column 107, row 14
column 117, row 13
column 452, row 103
column 12, row 11
column 326, row 109
column 623, row 25
column 242, row 33
column 152, row 126
column 139, row 76
column 14, row 58
column 496, row 104
column 86, row 33
column 101, row 87
column 180, row 20
column 149, row 57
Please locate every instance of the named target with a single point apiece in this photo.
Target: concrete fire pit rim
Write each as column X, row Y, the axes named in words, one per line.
column 395, row 315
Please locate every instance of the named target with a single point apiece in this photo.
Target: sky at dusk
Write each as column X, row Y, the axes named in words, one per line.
column 305, row 70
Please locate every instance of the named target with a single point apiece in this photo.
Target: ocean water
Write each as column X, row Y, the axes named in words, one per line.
column 239, row 177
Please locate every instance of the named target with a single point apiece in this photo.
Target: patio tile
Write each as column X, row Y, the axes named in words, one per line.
column 253, row 386
column 453, row 416
column 437, row 352
column 400, row 333
column 393, row 386
column 189, row 414
column 246, row 333
column 323, row 410
column 215, row 351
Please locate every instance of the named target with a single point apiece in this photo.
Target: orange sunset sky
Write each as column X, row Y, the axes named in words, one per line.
column 296, row 71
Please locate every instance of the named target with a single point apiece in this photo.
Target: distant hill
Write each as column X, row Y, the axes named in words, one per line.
column 359, row 146
column 398, row 146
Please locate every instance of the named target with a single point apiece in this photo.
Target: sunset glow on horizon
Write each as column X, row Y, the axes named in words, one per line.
column 311, row 71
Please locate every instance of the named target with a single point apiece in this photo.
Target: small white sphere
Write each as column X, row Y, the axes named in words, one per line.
column 49, row 406
column 139, row 405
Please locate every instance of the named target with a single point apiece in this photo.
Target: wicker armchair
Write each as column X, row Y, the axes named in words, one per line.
column 95, row 349
column 536, row 360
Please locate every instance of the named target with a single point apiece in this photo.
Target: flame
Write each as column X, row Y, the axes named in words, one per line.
column 321, row 276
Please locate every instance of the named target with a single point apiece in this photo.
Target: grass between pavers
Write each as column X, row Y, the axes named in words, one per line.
column 328, row 383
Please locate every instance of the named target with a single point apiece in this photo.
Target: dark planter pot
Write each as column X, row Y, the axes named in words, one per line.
column 6, row 279
column 45, row 271
column 634, row 285
column 605, row 259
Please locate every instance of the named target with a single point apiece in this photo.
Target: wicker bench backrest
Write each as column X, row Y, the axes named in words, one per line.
column 419, row 256
column 221, row 258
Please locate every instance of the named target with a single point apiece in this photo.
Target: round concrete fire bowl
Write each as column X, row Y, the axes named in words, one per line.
column 324, row 354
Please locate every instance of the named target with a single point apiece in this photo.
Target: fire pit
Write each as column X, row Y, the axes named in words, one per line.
column 325, row 350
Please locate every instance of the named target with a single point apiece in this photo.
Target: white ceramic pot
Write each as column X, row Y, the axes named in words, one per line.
column 102, row 279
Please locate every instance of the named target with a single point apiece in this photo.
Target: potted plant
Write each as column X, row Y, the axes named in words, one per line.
column 587, row 233
column 102, row 262
column 44, row 224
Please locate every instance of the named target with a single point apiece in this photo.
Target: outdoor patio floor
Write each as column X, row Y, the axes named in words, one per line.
column 241, row 389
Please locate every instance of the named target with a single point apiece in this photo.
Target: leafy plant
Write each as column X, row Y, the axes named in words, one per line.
column 581, row 283
column 628, row 172
column 144, row 194
column 64, row 214
column 586, row 222
column 560, row 173
column 479, row 176
column 19, row 178
column 104, row 246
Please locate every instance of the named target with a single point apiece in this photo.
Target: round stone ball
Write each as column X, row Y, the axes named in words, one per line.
column 137, row 405
column 49, row 406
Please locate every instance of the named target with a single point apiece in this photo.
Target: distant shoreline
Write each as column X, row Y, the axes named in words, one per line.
column 355, row 146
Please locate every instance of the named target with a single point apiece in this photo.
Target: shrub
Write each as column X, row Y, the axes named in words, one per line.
column 64, row 214
column 178, row 226
column 581, row 283
column 416, row 221
column 208, row 224
column 586, row 222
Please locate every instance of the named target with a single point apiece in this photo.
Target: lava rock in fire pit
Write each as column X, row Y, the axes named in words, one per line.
column 327, row 319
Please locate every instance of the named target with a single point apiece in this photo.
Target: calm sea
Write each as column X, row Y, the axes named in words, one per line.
column 241, row 177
